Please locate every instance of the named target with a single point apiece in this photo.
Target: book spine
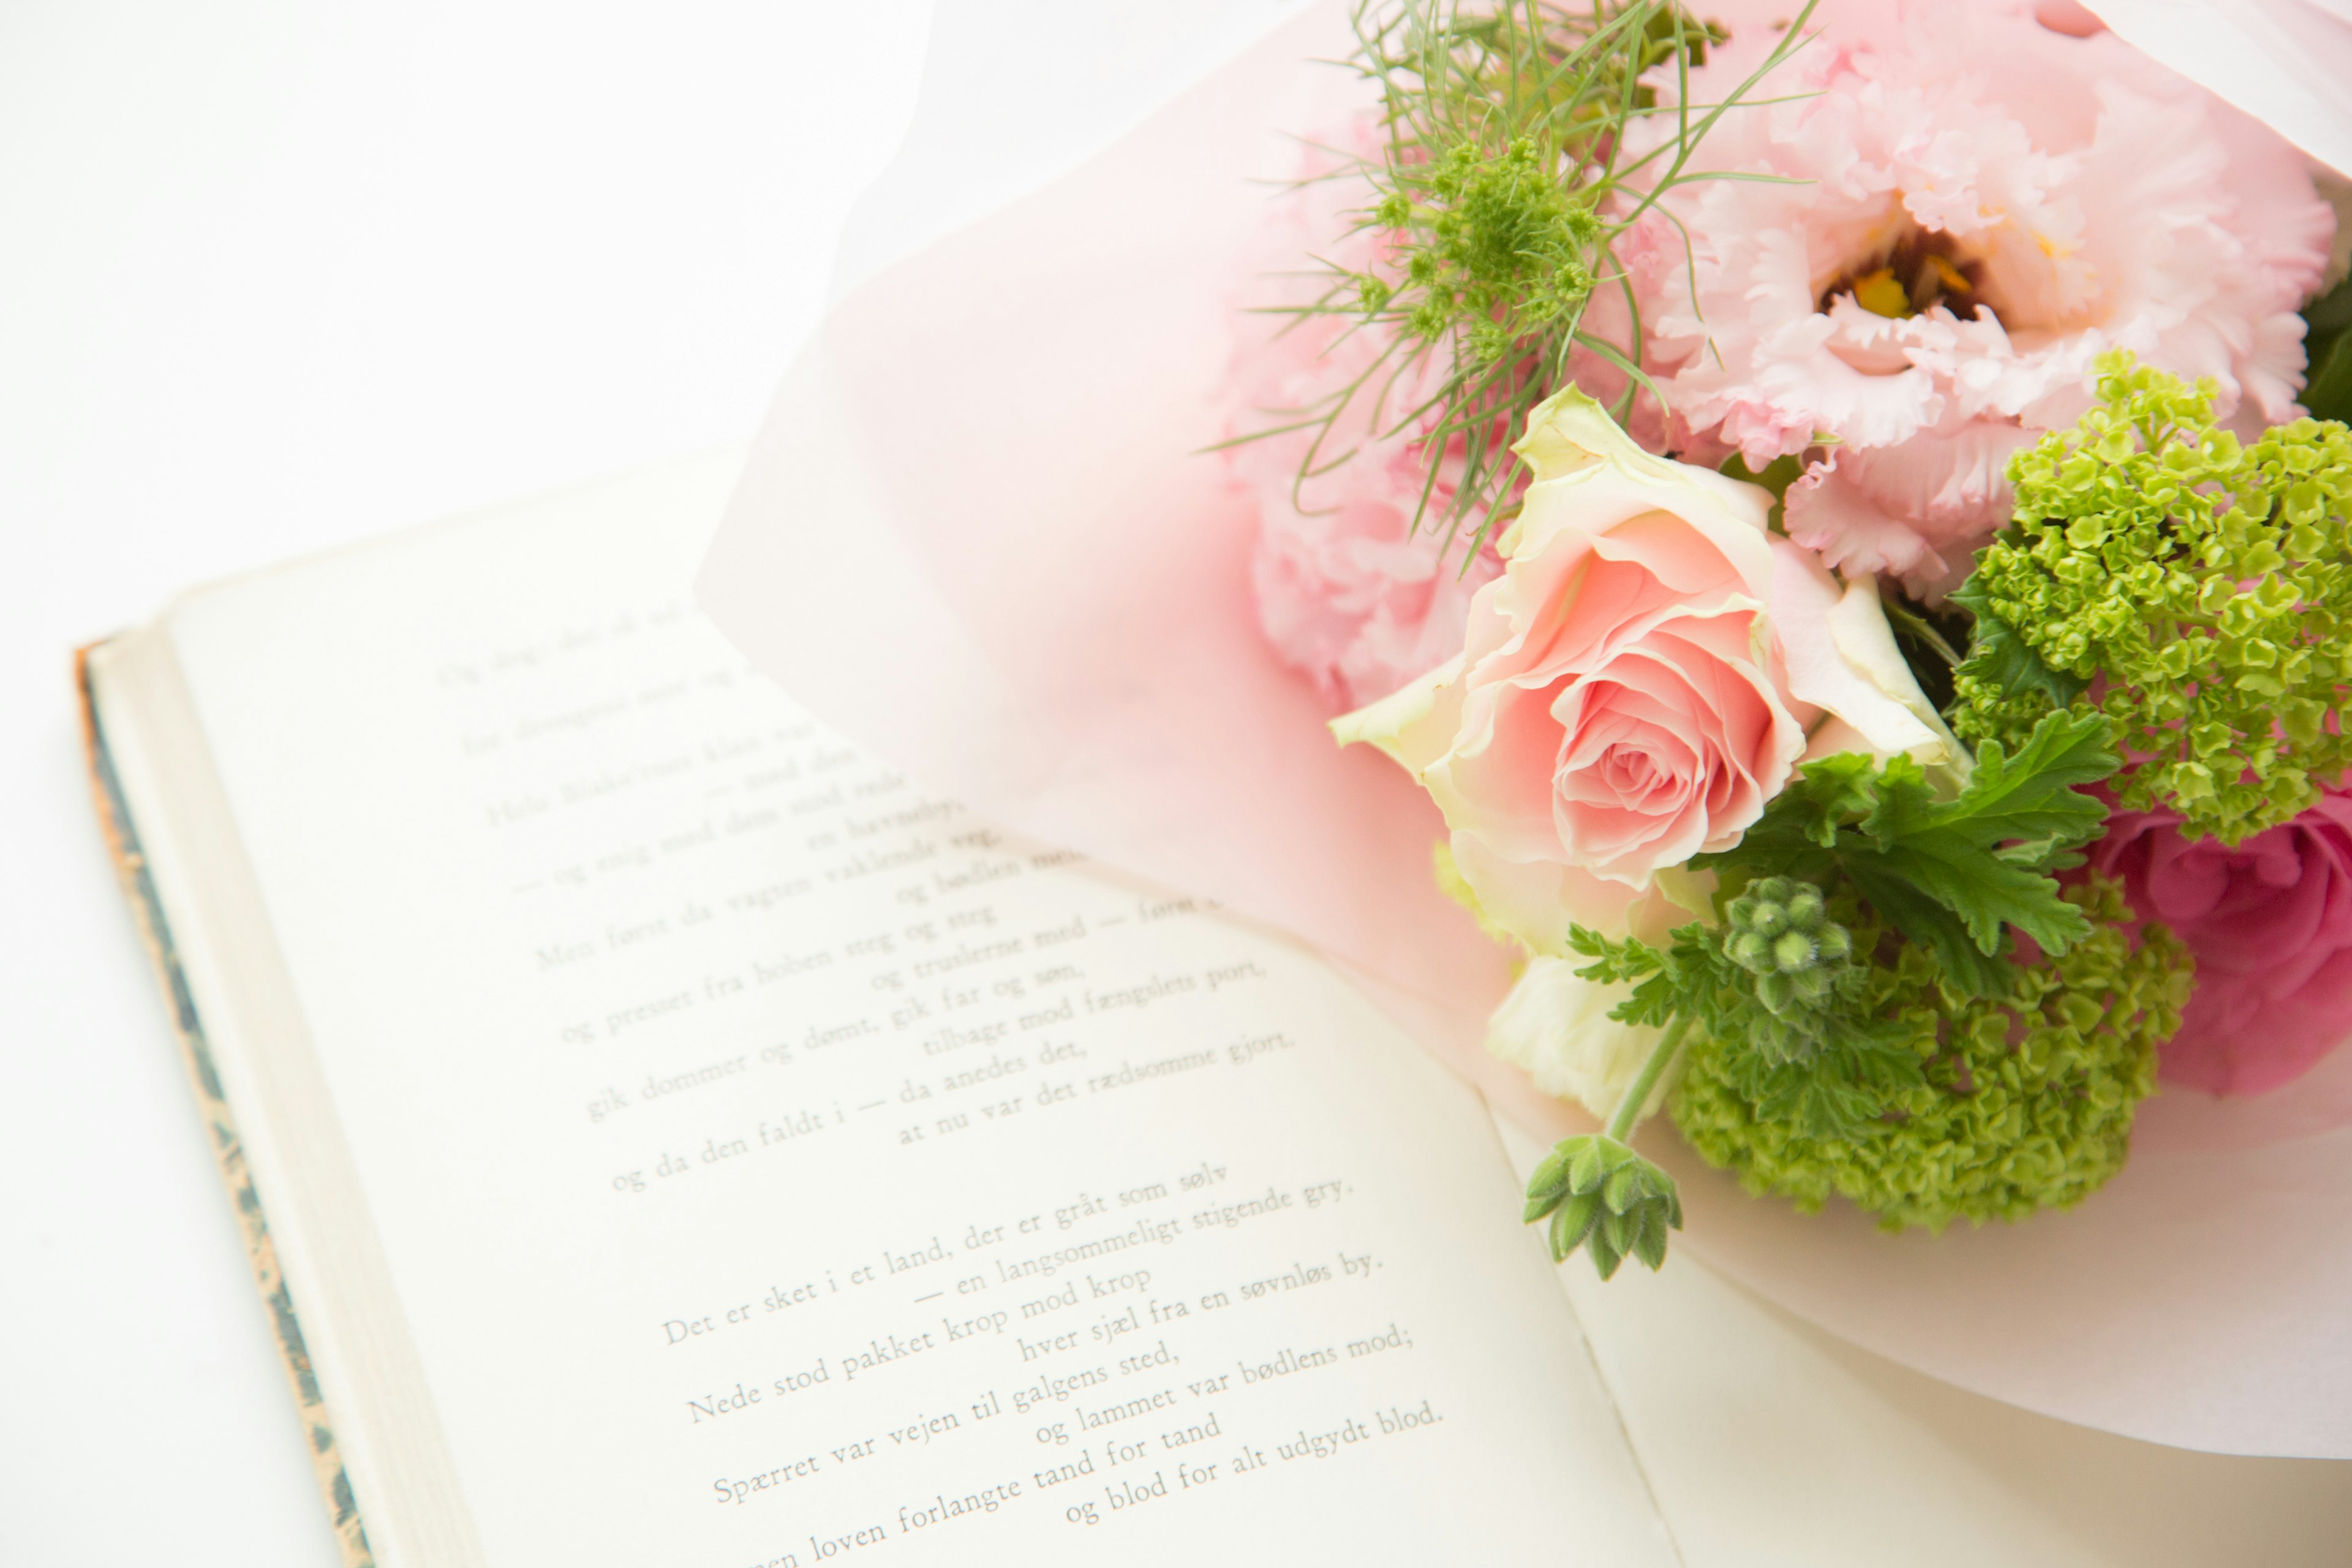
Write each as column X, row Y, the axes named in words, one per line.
column 261, row 1252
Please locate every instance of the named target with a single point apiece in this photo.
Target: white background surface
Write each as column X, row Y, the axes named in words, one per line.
column 275, row 276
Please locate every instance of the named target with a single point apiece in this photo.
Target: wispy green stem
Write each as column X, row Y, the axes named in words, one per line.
column 1504, row 183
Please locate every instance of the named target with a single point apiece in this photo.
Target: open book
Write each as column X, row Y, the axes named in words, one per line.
column 666, row 1135
column 684, row 1141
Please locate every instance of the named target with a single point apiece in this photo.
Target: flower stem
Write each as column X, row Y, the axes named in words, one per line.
column 1919, row 626
column 1629, row 1109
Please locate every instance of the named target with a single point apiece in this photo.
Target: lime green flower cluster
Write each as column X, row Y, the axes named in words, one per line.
column 2027, row 1100
column 2195, row 590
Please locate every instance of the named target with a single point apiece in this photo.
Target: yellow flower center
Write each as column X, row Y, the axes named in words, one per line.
column 1920, row 270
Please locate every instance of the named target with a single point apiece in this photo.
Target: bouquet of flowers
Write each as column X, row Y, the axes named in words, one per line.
column 1816, row 506
column 1819, row 503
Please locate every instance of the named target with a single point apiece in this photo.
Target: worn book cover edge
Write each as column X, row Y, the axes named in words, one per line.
column 155, row 933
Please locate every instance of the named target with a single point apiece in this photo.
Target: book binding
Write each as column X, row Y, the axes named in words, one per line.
column 155, row 933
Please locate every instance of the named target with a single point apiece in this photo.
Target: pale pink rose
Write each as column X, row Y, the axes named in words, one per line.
column 1638, row 683
column 1349, row 591
column 2077, row 197
column 2270, row 923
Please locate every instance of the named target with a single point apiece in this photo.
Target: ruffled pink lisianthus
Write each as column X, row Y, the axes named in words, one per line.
column 1965, row 206
column 2270, row 923
column 1349, row 592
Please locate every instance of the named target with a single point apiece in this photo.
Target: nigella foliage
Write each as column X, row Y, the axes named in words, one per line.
column 1500, row 185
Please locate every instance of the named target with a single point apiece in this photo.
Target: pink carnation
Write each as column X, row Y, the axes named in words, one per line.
column 2022, row 199
column 1349, row 592
column 2270, row 923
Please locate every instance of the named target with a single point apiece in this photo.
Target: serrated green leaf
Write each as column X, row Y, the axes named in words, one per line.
column 2038, row 854
column 1901, row 805
column 1832, row 790
column 1987, row 892
column 1801, row 825
column 2036, row 795
column 1926, row 922
column 1999, row 656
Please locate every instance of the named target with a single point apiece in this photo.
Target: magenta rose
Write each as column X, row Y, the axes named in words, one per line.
column 2270, row 923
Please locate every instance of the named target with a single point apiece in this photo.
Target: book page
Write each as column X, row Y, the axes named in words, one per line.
column 777, row 1166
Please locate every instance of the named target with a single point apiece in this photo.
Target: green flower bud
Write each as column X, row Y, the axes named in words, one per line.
column 1601, row 1196
column 1793, row 953
column 1781, row 933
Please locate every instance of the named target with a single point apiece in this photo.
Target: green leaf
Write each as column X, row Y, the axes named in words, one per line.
column 1998, row 655
column 1614, row 961
column 1987, row 893
column 1984, row 856
column 1949, row 875
column 2035, row 795
column 2328, row 392
column 1926, row 922
column 1903, row 803
column 1806, row 815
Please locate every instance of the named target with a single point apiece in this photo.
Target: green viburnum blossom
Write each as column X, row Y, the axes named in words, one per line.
column 2196, row 590
column 2022, row 1102
column 1862, row 1017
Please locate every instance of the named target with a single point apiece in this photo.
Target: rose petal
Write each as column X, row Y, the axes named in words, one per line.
column 1843, row 659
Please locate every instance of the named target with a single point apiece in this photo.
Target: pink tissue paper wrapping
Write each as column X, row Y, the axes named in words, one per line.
column 976, row 536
